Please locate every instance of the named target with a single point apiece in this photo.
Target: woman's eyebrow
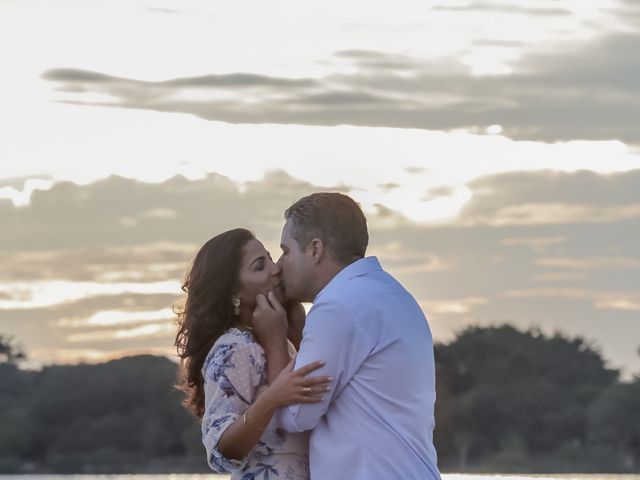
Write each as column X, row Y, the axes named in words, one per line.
column 261, row 257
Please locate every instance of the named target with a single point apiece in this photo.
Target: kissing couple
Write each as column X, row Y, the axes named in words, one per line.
column 345, row 391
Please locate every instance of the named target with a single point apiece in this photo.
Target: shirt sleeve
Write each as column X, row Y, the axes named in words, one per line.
column 331, row 334
column 231, row 377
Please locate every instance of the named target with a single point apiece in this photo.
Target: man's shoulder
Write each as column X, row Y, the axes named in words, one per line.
column 334, row 305
column 359, row 296
column 372, row 287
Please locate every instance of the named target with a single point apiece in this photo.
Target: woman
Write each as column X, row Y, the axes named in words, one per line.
column 223, row 368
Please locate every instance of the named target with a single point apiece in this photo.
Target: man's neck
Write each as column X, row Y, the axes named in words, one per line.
column 328, row 273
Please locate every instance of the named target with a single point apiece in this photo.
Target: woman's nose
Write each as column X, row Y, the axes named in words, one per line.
column 276, row 269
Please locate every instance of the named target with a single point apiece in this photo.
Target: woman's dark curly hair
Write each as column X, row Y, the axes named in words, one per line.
column 207, row 312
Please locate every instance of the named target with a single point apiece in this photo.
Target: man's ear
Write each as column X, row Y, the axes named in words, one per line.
column 317, row 250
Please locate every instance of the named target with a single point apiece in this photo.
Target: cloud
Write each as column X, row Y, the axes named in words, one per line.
column 619, row 304
column 20, row 183
column 491, row 7
column 110, row 318
column 232, row 80
column 88, row 304
column 559, row 277
column 552, row 198
column 590, row 263
column 76, row 329
column 389, row 186
column 165, row 10
column 628, row 11
column 455, row 306
column 376, row 61
column 556, row 213
column 577, row 91
column 401, row 259
column 600, row 298
column 489, row 42
column 73, row 265
column 537, row 244
column 154, row 330
column 581, row 187
column 21, row 195
column 45, row 356
column 151, row 262
column 120, row 230
column 438, row 192
column 118, row 211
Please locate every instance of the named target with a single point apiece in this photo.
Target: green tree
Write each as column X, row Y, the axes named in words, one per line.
column 10, row 352
column 614, row 419
column 515, row 391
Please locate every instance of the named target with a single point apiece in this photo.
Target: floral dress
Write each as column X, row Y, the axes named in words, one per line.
column 234, row 374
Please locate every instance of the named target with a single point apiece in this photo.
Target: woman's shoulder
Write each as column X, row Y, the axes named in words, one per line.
column 235, row 337
column 241, row 340
column 232, row 342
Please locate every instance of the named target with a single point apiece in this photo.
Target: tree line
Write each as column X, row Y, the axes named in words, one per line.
column 508, row 401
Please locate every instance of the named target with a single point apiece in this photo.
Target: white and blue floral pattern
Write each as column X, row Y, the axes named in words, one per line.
column 234, row 374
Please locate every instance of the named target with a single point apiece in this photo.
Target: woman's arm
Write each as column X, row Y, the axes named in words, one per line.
column 243, row 435
column 271, row 327
column 296, row 317
column 289, row 388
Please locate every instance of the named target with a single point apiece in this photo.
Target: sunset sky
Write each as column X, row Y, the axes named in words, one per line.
column 494, row 146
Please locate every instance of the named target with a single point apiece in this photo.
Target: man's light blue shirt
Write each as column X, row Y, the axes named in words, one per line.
column 377, row 422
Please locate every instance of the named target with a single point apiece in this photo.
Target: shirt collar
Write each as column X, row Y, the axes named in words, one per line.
column 355, row 269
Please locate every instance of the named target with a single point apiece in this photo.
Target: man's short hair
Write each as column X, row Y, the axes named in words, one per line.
column 334, row 218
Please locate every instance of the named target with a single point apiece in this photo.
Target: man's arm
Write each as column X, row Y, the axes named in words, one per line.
column 330, row 334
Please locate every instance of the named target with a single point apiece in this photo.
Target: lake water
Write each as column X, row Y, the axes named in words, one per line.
column 211, row 476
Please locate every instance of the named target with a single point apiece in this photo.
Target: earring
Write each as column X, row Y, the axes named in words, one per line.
column 235, row 301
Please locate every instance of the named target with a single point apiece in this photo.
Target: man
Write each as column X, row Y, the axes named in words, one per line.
column 377, row 420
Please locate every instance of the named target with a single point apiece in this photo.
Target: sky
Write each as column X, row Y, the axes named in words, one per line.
column 494, row 147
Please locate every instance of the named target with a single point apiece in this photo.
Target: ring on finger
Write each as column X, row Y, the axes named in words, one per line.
column 306, row 390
